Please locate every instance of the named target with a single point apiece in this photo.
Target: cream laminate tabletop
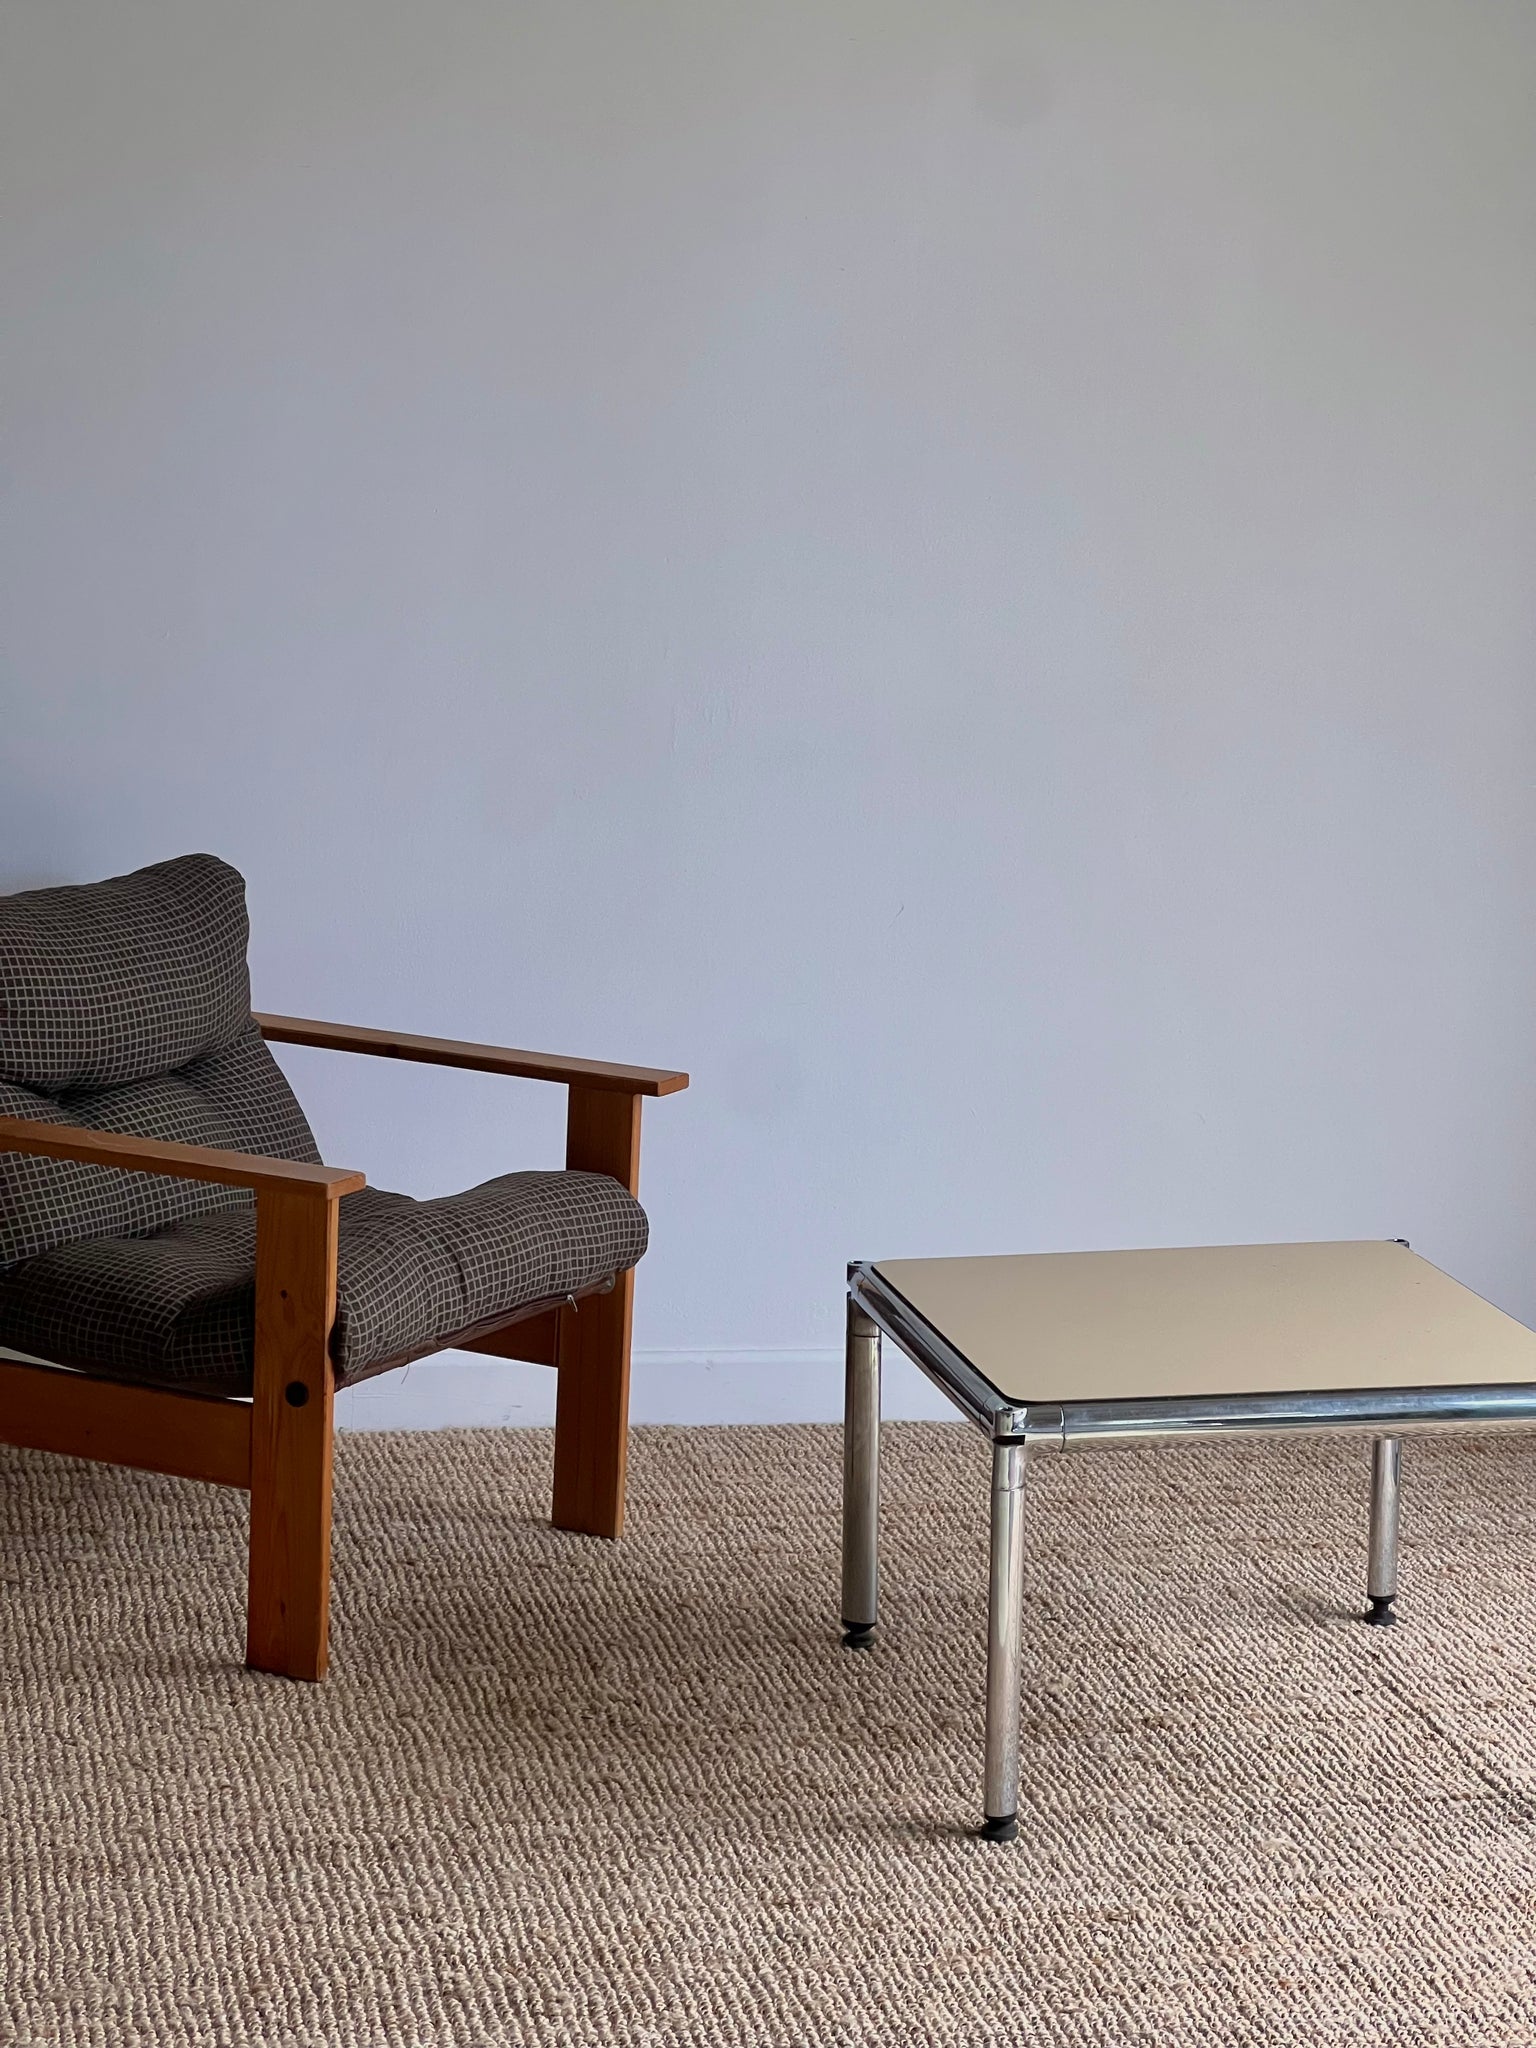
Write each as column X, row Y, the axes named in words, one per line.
column 1214, row 1320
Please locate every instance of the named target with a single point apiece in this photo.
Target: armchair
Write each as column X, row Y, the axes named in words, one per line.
column 199, row 1284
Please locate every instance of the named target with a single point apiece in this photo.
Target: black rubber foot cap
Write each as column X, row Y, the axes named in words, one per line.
column 858, row 1635
column 1003, row 1827
column 1379, row 1614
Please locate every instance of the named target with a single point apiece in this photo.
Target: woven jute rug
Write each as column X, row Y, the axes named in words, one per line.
column 561, row 1791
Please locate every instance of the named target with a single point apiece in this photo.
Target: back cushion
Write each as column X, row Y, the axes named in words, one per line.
column 126, row 1006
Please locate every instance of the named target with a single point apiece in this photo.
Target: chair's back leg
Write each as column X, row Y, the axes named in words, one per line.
column 592, row 1397
column 287, row 1624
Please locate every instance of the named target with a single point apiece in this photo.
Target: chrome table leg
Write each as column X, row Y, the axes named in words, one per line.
column 1381, row 1584
column 1005, row 1624
column 861, row 1480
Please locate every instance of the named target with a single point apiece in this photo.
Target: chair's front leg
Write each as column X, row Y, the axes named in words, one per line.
column 592, row 1359
column 290, row 1558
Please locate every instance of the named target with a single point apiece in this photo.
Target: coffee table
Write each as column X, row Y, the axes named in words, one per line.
column 1053, row 1350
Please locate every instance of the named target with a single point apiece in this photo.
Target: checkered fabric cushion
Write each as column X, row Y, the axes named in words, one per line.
column 114, row 981
column 178, row 1307
column 126, row 1006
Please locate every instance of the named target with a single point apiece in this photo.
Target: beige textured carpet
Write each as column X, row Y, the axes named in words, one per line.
column 557, row 1791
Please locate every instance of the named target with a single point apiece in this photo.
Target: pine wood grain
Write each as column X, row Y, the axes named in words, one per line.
column 592, row 1395
column 457, row 1052
column 287, row 1627
column 154, row 1429
column 176, row 1162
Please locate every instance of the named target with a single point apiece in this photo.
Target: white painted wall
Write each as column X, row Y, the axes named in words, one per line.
column 963, row 571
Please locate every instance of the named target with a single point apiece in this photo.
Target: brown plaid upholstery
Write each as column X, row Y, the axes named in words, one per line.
column 119, row 980
column 179, row 1307
column 125, row 1006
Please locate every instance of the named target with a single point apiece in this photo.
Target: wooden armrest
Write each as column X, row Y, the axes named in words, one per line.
column 177, row 1162
column 486, row 1059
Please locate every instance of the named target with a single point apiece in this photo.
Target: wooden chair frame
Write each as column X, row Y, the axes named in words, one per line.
column 277, row 1445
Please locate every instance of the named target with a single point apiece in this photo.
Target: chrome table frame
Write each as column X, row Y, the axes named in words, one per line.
column 1015, row 1431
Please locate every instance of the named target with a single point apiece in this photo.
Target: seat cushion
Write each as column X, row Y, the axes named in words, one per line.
column 177, row 1307
column 126, row 1006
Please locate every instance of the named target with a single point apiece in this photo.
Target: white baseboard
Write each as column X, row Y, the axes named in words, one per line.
column 462, row 1390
